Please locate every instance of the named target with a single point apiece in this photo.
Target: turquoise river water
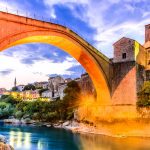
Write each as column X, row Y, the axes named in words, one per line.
column 43, row 138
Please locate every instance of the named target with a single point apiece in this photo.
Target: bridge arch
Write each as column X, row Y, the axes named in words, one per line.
column 29, row 30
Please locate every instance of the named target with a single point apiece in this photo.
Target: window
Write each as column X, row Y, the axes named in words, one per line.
column 123, row 55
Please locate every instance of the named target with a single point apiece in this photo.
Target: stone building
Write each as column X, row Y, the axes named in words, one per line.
column 53, row 86
column 2, row 91
column 20, row 87
column 53, row 82
column 61, row 89
column 29, row 94
column 47, row 94
column 128, row 70
column 86, row 84
column 43, row 84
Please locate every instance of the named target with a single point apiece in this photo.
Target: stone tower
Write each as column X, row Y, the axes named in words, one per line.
column 128, row 71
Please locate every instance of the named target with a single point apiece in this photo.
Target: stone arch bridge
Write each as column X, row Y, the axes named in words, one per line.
column 15, row 30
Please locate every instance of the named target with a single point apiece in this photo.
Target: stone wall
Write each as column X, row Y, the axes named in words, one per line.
column 124, row 83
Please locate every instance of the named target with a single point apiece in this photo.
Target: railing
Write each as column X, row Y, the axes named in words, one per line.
column 50, row 20
column 41, row 18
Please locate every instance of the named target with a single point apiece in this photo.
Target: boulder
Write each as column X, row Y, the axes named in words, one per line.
column 4, row 146
column 28, row 121
column 3, row 139
column 13, row 121
column 67, row 123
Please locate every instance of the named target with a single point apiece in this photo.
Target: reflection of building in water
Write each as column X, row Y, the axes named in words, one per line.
column 19, row 139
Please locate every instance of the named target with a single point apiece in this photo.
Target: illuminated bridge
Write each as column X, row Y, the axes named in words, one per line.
column 15, row 30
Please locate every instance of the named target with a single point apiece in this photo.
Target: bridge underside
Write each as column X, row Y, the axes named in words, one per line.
column 17, row 30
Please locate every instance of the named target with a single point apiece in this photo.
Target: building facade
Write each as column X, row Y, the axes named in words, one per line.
column 43, row 84
column 20, row 87
column 128, row 70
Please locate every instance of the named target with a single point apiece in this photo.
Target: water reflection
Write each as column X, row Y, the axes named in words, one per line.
column 42, row 138
column 99, row 142
column 20, row 139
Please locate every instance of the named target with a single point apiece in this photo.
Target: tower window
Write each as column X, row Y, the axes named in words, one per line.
column 123, row 55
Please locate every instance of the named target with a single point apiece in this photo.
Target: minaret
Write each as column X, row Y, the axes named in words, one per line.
column 15, row 82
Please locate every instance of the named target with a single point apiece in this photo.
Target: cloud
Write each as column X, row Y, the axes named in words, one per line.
column 111, row 19
column 29, row 71
column 6, row 72
column 14, row 7
column 102, row 22
column 103, row 16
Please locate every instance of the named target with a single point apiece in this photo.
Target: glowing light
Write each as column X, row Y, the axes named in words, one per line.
column 12, row 138
column 40, row 146
column 19, row 139
column 27, row 142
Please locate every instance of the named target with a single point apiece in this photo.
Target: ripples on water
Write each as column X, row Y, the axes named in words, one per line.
column 42, row 138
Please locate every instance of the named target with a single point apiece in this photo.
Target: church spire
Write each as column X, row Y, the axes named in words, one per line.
column 15, row 82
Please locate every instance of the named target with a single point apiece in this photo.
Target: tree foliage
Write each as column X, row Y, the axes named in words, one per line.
column 14, row 89
column 50, row 111
column 29, row 87
column 144, row 95
column 72, row 93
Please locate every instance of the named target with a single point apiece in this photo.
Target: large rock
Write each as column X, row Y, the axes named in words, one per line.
column 3, row 139
column 28, row 121
column 13, row 121
column 67, row 123
column 4, row 146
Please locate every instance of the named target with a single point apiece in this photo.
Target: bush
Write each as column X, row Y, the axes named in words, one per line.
column 6, row 110
column 42, row 110
column 144, row 95
column 18, row 114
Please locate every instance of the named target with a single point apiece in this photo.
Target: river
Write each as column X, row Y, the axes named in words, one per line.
column 43, row 138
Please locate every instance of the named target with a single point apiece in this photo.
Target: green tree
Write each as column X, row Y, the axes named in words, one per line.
column 144, row 95
column 70, row 100
column 72, row 93
column 14, row 89
column 9, row 99
column 29, row 87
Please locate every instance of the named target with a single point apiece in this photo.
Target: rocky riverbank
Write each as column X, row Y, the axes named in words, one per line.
column 3, row 145
column 74, row 126
column 68, row 125
column 115, row 128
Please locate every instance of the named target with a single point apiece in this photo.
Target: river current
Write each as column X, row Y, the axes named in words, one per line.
column 43, row 138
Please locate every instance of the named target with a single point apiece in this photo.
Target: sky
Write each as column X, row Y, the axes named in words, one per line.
column 100, row 22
